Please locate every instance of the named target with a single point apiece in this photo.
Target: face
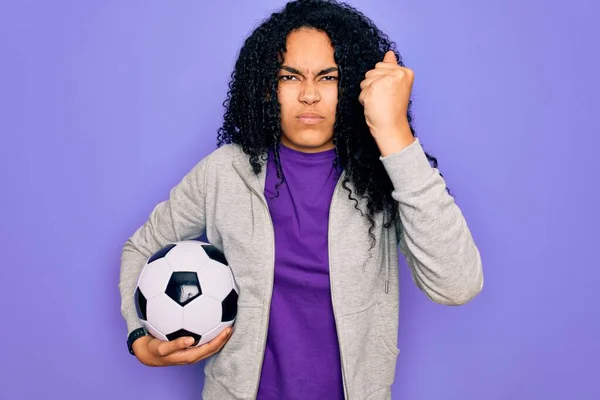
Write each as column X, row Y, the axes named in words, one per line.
column 308, row 91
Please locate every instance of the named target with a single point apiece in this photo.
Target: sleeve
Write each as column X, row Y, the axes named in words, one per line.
column 434, row 237
column 180, row 217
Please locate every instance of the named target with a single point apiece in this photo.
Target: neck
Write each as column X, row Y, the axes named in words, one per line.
column 307, row 148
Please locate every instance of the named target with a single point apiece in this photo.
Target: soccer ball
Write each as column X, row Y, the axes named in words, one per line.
column 186, row 289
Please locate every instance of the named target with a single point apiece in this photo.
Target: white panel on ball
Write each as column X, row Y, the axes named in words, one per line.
column 202, row 314
column 188, row 255
column 153, row 331
column 219, row 276
column 214, row 333
column 165, row 314
column 234, row 282
column 154, row 278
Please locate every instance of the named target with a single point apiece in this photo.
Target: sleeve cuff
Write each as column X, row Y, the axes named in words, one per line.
column 408, row 168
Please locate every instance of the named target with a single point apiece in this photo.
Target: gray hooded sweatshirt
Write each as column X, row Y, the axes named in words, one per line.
column 222, row 198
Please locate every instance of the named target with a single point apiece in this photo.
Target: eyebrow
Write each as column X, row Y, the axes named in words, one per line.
column 298, row 72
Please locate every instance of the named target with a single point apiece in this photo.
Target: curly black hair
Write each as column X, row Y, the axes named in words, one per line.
column 252, row 111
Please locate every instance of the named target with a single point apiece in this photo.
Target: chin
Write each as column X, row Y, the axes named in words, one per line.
column 309, row 141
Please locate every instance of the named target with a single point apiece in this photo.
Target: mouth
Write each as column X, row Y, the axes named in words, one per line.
column 310, row 118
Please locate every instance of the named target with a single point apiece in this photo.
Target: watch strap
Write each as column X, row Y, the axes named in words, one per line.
column 133, row 336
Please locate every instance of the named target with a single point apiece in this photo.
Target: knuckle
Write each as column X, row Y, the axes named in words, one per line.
column 161, row 351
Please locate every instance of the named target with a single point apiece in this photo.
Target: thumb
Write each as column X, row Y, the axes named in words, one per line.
column 390, row 57
column 180, row 343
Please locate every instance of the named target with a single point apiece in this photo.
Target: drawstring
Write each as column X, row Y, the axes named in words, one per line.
column 387, row 259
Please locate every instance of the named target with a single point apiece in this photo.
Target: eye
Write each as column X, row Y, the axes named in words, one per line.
column 330, row 78
column 287, row 77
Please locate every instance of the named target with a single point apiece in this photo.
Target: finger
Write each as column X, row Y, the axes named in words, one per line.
column 378, row 72
column 153, row 344
column 208, row 349
column 386, row 66
column 369, row 81
column 361, row 97
column 215, row 344
column 165, row 348
column 390, row 57
column 220, row 344
column 367, row 86
column 364, row 93
column 223, row 343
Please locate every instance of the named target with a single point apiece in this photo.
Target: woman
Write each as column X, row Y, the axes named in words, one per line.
column 317, row 177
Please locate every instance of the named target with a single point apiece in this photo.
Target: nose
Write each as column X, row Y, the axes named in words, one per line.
column 309, row 93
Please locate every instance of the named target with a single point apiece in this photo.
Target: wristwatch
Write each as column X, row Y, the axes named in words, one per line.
column 135, row 334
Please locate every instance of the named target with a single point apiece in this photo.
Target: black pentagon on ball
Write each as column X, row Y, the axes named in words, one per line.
column 183, row 287
column 215, row 253
column 161, row 253
column 140, row 304
column 182, row 333
column 229, row 306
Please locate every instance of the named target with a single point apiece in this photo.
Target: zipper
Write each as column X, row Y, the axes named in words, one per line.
column 272, row 276
column 331, row 285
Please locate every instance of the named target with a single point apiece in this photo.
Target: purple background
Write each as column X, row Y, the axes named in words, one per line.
column 105, row 105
